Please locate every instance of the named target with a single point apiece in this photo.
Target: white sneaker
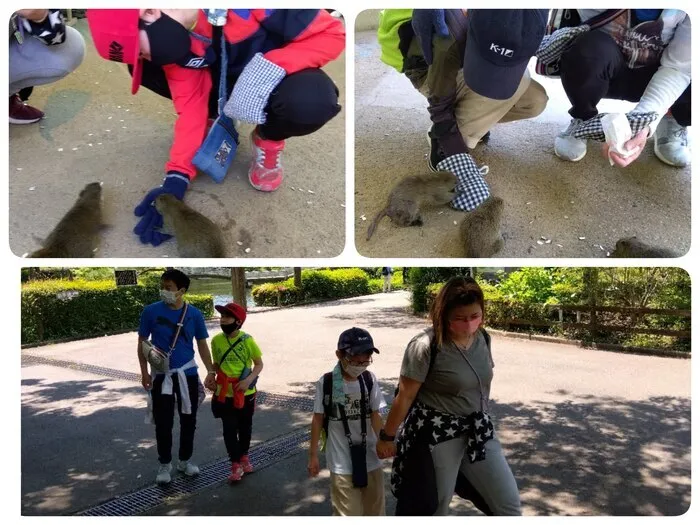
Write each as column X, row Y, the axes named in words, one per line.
column 568, row 147
column 187, row 468
column 671, row 143
column 163, row 477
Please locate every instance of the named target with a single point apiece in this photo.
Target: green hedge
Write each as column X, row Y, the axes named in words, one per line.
column 51, row 312
column 422, row 278
column 322, row 285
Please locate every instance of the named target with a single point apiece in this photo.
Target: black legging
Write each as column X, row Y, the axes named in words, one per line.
column 594, row 68
column 301, row 104
column 238, row 427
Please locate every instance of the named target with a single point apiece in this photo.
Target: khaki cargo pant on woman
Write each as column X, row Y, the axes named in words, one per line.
column 349, row 501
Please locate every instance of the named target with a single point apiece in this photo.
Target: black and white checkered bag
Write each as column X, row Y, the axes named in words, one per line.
column 554, row 45
column 593, row 128
column 472, row 188
column 252, row 90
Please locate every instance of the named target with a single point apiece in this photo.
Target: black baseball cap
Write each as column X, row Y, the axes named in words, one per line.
column 356, row 341
column 500, row 43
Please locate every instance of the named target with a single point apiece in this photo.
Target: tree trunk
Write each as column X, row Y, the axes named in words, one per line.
column 238, row 286
column 590, row 279
column 297, row 277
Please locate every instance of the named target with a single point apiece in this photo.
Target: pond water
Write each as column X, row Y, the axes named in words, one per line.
column 219, row 288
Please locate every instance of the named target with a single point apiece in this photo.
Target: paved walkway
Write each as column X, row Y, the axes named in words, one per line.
column 586, row 432
column 544, row 196
column 95, row 130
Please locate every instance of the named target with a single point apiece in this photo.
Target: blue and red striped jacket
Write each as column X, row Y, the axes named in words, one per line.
column 294, row 39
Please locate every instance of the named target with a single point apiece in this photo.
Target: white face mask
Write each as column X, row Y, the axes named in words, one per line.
column 168, row 297
column 353, row 370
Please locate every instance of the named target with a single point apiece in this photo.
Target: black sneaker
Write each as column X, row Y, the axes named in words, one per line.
column 436, row 156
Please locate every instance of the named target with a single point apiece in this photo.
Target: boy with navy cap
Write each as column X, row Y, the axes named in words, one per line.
column 347, row 422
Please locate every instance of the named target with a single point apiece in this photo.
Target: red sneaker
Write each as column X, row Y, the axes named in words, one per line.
column 21, row 113
column 266, row 173
column 236, row 473
column 245, row 464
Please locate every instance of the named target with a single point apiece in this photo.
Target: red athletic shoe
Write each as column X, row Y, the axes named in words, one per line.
column 266, row 173
column 245, row 464
column 236, row 473
column 21, row 113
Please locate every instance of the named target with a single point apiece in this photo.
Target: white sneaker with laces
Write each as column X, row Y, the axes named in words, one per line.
column 163, row 477
column 187, row 468
column 568, row 147
column 671, row 143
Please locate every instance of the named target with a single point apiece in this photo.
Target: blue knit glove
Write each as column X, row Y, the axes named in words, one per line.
column 252, row 90
column 426, row 24
column 151, row 221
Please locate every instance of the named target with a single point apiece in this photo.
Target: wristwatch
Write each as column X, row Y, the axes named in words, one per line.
column 383, row 436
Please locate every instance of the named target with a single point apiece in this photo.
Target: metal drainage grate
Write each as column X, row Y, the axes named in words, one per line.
column 282, row 400
column 139, row 501
column 83, row 367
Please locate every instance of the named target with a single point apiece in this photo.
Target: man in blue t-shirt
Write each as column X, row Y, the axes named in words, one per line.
column 159, row 323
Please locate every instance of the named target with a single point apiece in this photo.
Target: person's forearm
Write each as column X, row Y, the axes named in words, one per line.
column 143, row 364
column 35, row 15
column 397, row 414
column 257, row 368
column 377, row 422
column 205, row 355
column 316, row 425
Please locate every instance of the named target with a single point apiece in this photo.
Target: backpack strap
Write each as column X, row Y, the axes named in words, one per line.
column 487, row 338
column 369, row 382
column 327, row 398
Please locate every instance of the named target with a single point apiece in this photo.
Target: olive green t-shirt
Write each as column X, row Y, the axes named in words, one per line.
column 452, row 386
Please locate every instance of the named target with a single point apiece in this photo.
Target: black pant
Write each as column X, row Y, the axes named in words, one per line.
column 300, row 105
column 594, row 68
column 164, row 415
column 238, row 427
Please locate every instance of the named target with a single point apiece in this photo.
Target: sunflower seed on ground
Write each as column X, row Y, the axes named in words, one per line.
column 607, row 254
column 122, row 120
column 363, row 217
column 560, row 246
column 543, row 238
column 601, row 247
column 89, row 134
column 32, row 188
column 108, row 130
column 548, row 241
column 581, row 238
column 312, row 192
column 90, row 144
column 239, row 243
column 342, row 205
column 19, row 169
column 292, row 187
column 247, row 250
column 119, row 107
column 60, row 149
column 99, row 144
column 440, row 212
column 109, row 118
column 528, row 203
column 540, row 242
column 25, row 255
column 309, row 202
column 454, row 222
column 318, row 252
column 75, row 149
column 566, row 216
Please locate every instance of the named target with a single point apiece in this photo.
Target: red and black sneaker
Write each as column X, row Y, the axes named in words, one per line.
column 266, row 173
column 21, row 113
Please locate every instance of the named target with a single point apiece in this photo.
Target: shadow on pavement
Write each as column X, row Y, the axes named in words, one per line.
column 586, row 455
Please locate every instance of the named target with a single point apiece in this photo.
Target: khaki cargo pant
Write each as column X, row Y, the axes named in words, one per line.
column 475, row 114
column 350, row 501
